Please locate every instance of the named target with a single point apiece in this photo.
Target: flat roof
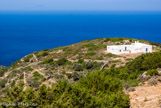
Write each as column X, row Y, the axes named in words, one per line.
column 132, row 45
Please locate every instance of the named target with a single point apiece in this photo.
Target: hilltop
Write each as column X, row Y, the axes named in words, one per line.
column 78, row 64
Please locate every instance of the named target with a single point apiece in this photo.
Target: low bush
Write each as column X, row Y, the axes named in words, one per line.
column 89, row 65
column 131, row 83
column 69, row 75
column 13, row 83
column 116, row 39
column 22, row 76
column 38, row 77
column 48, row 61
column 3, row 83
column 111, row 55
column 77, row 67
column 90, row 54
column 27, row 58
column 33, row 83
column 28, row 68
column 80, row 61
column 2, row 72
column 99, row 58
column 45, row 53
column 61, row 61
column 76, row 76
column 152, row 72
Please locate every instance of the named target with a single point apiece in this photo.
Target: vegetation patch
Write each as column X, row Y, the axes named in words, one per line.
column 13, row 83
column 99, row 58
column 3, row 83
column 22, row 76
column 111, row 55
column 48, row 61
column 62, row 61
column 45, row 53
column 27, row 58
column 90, row 54
column 152, row 72
column 28, row 68
column 38, row 77
column 2, row 72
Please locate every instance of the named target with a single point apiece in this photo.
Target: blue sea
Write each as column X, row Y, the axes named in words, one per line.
column 23, row 33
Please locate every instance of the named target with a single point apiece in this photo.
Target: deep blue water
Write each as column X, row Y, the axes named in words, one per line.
column 21, row 34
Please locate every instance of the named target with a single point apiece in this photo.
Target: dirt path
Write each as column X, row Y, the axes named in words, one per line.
column 34, row 56
column 146, row 96
column 25, row 82
column 24, row 77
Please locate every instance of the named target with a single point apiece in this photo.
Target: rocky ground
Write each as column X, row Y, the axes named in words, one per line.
column 147, row 95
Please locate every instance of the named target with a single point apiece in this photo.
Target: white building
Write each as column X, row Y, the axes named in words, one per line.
column 133, row 48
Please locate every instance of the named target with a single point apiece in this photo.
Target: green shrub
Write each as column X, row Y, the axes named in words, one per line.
column 90, row 54
column 131, row 83
column 33, row 83
column 27, row 58
column 15, row 64
column 152, row 72
column 48, row 61
column 58, row 76
column 89, row 65
column 75, row 76
column 111, row 55
column 63, row 72
column 13, row 83
column 2, row 72
column 22, row 76
column 3, row 83
column 99, row 58
column 116, row 39
column 80, row 61
column 69, row 75
column 45, row 53
column 77, row 67
column 107, row 39
column 61, row 61
column 46, row 49
column 28, row 68
column 38, row 77
column 143, row 63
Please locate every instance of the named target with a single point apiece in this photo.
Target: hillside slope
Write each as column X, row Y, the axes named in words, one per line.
column 70, row 62
column 98, row 89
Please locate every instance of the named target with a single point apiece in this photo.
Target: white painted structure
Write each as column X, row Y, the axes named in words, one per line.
column 133, row 48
